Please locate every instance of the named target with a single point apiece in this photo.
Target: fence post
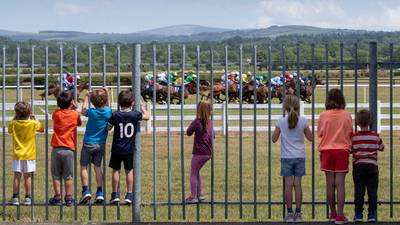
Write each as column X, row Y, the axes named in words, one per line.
column 373, row 84
column 137, row 153
column 379, row 117
column 148, row 123
column 223, row 118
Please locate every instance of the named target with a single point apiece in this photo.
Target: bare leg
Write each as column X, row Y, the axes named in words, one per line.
column 17, row 180
column 330, row 190
column 115, row 180
column 28, row 183
column 57, row 187
column 298, row 191
column 99, row 176
column 68, row 186
column 289, row 181
column 341, row 194
column 129, row 180
column 84, row 176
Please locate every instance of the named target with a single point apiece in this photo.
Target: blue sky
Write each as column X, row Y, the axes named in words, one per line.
column 125, row 16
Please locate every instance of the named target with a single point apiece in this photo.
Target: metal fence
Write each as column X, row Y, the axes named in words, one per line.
column 259, row 198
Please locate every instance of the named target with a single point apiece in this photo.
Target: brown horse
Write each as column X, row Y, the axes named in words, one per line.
column 178, row 94
column 218, row 89
column 54, row 89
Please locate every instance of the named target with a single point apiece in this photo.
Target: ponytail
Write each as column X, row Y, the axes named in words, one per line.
column 291, row 105
column 293, row 118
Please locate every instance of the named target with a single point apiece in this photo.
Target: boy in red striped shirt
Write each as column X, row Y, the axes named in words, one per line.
column 365, row 147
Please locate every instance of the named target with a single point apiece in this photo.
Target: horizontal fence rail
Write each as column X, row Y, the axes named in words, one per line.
column 241, row 181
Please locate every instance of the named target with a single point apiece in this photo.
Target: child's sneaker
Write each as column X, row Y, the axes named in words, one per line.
column 28, row 201
column 55, row 201
column 14, row 201
column 99, row 197
column 371, row 218
column 298, row 217
column 69, row 201
column 202, row 198
column 332, row 217
column 358, row 218
column 129, row 198
column 289, row 218
column 341, row 220
column 114, row 198
column 86, row 196
column 191, row 200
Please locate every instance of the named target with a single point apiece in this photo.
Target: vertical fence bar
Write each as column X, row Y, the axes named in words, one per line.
column 169, row 129
column 212, row 118
column 197, row 73
column 104, row 71
column 76, row 143
column 355, row 82
column 373, row 84
column 118, row 69
column 61, row 81
column 326, row 94
column 90, row 166
column 269, row 129
column 33, row 112
column 60, row 213
column 313, row 131
column 154, row 134
column 18, row 91
column 298, row 83
column 341, row 66
column 3, row 122
column 241, row 132
column 283, row 62
column 197, row 102
column 47, row 131
column 326, row 71
column 255, row 133
column 391, row 128
column 226, row 133
column 137, row 154
column 182, row 134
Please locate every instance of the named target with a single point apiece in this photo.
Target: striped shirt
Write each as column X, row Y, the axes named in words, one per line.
column 365, row 145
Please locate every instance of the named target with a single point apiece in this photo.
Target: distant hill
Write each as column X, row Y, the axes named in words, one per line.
column 184, row 29
column 178, row 33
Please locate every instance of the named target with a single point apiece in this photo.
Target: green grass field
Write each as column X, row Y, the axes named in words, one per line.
column 219, row 179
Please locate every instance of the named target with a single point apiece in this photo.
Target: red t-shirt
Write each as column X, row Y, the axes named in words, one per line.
column 365, row 145
column 65, row 123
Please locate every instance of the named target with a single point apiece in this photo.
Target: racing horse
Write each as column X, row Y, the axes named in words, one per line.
column 54, row 89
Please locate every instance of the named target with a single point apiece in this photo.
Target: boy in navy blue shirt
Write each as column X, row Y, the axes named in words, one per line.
column 94, row 141
column 125, row 122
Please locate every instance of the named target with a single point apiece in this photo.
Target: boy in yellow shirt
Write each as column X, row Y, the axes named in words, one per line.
column 23, row 129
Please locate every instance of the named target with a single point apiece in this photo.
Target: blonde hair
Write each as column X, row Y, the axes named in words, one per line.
column 204, row 111
column 291, row 105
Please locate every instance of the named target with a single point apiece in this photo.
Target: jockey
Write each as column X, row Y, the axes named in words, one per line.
column 162, row 78
column 68, row 81
column 190, row 78
column 288, row 76
column 149, row 80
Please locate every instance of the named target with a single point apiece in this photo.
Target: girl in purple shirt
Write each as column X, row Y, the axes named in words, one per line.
column 203, row 130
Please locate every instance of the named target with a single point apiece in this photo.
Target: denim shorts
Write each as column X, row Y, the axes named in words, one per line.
column 293, row 167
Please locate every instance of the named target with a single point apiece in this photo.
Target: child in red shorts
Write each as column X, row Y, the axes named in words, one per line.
column 335, row 130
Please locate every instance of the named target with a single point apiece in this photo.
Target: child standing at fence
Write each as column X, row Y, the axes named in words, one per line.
column 65, row 122
column 335, row 130
column 94, row 141
column 292, row 128
column 125, row 122
column 203, row 130
column 23, row 129
column 365, row 147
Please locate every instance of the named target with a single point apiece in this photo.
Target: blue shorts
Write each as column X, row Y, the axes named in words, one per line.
column 293, row 167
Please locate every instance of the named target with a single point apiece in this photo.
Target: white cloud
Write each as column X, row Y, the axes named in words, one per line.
column 328, row 13
column 63, row 8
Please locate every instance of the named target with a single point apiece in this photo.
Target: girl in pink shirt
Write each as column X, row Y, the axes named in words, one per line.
column 334, row 130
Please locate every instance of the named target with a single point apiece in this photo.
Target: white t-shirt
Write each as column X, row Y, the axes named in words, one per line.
column 292, row 140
